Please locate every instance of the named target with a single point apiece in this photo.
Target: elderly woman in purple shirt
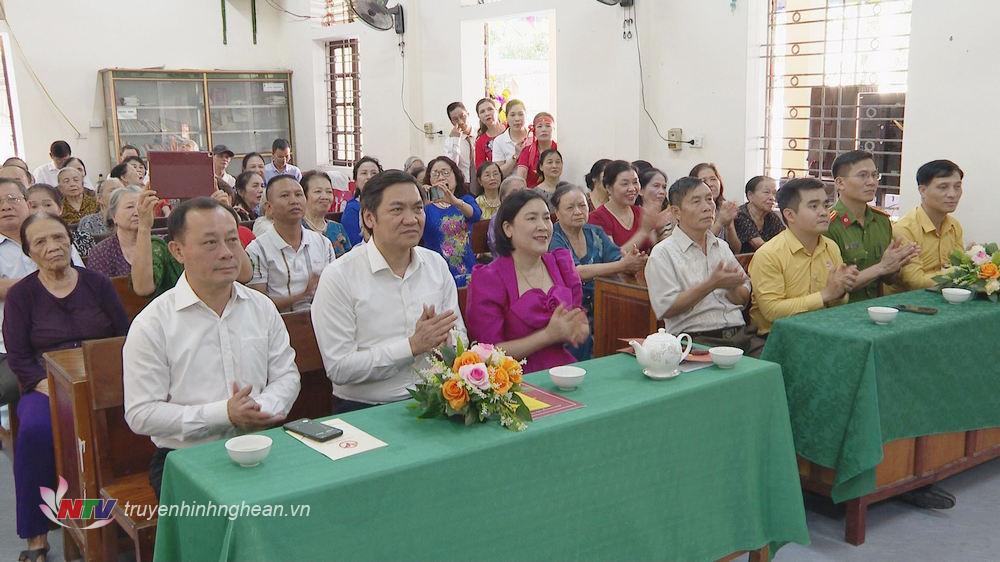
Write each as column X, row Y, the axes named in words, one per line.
column 57, row 307
column 528, row 301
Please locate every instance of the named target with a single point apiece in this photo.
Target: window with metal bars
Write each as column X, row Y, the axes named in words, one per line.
column 332, row 12
column 345, row 102
column 836, row 81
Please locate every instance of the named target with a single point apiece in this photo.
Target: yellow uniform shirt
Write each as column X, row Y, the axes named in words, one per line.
column 935, row 247
column 786, row 280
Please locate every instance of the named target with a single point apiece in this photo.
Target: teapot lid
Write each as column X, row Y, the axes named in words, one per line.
column 661, row 335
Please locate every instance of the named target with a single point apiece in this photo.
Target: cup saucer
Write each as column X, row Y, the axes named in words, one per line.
column 659, row 377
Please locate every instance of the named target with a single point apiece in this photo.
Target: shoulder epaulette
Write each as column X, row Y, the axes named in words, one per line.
column 880, row 211
column 833, row 214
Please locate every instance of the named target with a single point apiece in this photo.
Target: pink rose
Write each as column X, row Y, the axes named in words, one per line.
column 483, row 350
column 476, row 375
column 980, row 258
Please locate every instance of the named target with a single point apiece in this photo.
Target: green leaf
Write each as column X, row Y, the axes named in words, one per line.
column 521, row 411
column 448, row 355
column 459, row 345
column 996, row 258
column 471, row 415
column 957, row 257
column 991, row 248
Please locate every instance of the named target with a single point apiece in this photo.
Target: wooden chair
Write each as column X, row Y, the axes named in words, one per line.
column 122, row 457
column 461, row 301
column 132, row 302
column 316, row 395
column 480, row 245
column 744, row 260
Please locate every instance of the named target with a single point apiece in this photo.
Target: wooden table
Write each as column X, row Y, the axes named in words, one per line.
column 621, row 310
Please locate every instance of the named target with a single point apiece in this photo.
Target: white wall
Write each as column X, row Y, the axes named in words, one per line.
column 694, row 54
column 950, row 110
column 67, row 43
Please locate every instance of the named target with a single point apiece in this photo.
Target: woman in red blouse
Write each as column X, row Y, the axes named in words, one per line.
column 542, row 131
column 489, row 129
column 622, row 220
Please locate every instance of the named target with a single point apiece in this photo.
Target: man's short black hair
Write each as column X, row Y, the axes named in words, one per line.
column 274, row 180
column 790, row 194
column 60, row 149
column 680, row 188
column 844, row 161
column 177, row 221
column 280, row 144
column 371, row 195
column 509, row 209
column 937, row 169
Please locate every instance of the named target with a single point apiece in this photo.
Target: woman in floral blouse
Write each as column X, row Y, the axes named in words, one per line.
column 450, row 214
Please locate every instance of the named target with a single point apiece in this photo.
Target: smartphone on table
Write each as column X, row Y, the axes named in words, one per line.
column 311, row 429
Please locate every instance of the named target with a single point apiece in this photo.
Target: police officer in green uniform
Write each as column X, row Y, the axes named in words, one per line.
column 864, row 233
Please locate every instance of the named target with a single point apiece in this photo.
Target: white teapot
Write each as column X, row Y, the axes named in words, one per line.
column 661, row 354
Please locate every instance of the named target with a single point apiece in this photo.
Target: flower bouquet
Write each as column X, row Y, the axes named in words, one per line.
column 477, row 384
column 976, row 269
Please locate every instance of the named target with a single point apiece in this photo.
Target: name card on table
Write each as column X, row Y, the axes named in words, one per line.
column 352, row 442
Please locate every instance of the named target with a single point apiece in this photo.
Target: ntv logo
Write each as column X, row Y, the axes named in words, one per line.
column 56, row 507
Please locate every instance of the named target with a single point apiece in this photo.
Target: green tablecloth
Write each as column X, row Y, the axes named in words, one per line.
column 853, row 385
column 688, row 469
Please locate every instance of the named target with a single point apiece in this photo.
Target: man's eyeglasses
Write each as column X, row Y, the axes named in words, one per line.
column 12, row 199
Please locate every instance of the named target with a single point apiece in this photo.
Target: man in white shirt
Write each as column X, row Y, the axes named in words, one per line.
column 288, row 258
column 221, row 157
column 459, row 144
column 209, row 357
column 59, row 152
column 695, row 283
column 383, row 306
column 281, row 157
column 14, row 265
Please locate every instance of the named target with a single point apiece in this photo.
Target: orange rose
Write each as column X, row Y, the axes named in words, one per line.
column 513, row 369
column 500, row 380
column 989, row 270
column 467, row 358
column 453, row 392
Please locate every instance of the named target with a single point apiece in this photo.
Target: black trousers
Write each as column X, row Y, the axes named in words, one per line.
column 156, row 469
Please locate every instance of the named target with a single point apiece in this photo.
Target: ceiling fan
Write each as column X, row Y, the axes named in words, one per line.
column 377, row 14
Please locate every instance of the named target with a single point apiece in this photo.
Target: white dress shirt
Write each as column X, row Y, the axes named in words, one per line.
column 461, row 150
column 48, row 173
column 677, row 264
column 15, row 265
column 181, row 360
column 364, row 314
column 284, row 270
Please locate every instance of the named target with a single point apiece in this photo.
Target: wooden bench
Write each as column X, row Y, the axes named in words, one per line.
column 621, row 310
column 121, row 458
column 480, row 243
column 316, row 395
column 132, row 302
column 97, row 452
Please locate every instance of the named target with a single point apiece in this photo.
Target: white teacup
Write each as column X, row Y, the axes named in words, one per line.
column 248, row 450
column 954, row 295
column 882, row 314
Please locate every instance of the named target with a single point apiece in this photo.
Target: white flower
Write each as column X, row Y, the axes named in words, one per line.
column 992, row 286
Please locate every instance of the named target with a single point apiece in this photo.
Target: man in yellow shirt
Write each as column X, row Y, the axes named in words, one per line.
column 931, row 224
column 800, row 269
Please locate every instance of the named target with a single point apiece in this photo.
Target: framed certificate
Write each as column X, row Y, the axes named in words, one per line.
column 181, row 175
